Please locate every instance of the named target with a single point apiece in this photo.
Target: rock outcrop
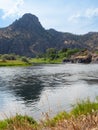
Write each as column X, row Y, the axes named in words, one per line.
column 82, row 57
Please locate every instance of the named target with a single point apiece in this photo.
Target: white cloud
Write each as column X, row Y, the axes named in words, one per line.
column 74, row 18
column 11, row 7
column 87, row 14
column 91, row 12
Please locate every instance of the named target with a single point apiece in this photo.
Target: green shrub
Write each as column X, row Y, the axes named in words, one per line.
column 71, row 52
column 84, row 107
column 24, row 59
column 3, row 125
column 8, row 57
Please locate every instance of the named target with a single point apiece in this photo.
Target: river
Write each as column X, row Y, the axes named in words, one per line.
column 45, row 88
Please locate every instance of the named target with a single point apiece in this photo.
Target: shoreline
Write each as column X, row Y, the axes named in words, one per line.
column 84, row 115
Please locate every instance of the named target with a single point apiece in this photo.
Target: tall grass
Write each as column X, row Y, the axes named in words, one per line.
column 83, row 116
column 18, row 122
column 84, row 110
column 84, row 107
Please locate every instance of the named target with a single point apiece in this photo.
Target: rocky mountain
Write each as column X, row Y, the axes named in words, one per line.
column 27, row 37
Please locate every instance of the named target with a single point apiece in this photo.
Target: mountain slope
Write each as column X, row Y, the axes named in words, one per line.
column 27, row 37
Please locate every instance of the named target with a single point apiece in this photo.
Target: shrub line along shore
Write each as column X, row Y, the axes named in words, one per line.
column 52, row 56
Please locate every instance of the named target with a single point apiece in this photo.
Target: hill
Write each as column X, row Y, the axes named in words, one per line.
column 26, row 36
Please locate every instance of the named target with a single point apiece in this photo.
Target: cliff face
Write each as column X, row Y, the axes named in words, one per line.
column 27, row 37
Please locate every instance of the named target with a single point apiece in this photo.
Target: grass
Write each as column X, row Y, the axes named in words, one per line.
column 18, row 122
column 3, row 125
column 32, row 61
column 83, row 116
column 45, row 61
column 84, row 107
column 13, row 63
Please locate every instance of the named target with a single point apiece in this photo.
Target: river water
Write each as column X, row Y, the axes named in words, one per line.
column 46, row 88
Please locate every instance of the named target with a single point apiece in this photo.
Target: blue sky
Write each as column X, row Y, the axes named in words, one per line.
column 75, row 16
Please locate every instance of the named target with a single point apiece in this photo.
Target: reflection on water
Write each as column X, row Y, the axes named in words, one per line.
column 28, row 88
column 37, row 89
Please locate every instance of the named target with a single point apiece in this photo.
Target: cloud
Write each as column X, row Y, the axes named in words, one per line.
column 91, row 13
column 88, row 14
column 74, row 18
column 11, row 7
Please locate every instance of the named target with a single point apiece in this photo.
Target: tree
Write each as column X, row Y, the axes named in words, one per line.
column 64, row 49
column 51, row 53
column 71, row 52
column 24, row 59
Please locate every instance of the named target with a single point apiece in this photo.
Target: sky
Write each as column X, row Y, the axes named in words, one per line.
column 74, row 16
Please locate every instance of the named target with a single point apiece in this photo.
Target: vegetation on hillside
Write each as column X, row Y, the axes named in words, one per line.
column 83, row 116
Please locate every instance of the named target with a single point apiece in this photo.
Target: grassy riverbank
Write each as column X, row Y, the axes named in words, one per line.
column 14, row 63
column 23, row 61
column 45, row 61
column 83, row 116
column 33, row 61
column 52, row 56
column 14, row 60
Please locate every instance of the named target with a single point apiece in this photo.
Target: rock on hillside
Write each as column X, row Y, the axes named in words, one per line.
column 83, row 57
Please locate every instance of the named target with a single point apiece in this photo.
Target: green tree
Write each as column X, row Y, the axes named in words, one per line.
column 71, row 52
column 24, row 59
column 51, row 53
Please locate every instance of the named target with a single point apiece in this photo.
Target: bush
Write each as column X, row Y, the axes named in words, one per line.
column 8, row 57
column 24, row 59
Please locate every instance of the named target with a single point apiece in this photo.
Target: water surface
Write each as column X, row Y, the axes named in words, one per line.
column 37, row 89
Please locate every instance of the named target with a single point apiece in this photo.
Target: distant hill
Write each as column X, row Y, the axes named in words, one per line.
column 27, row 37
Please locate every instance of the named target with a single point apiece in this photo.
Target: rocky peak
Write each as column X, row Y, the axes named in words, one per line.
column 29, row 18
column 27, row 21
